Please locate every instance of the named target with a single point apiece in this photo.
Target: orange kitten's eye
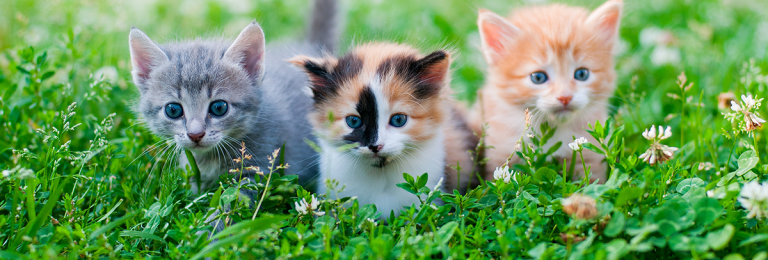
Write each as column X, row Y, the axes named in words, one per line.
column 539, row 77
column 581, row 74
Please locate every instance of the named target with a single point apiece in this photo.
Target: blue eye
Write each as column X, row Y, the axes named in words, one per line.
column 581, row 74
column 218, row 108
column 539, row 77
column 354, row 121
column 173, row 110
column 398, row 120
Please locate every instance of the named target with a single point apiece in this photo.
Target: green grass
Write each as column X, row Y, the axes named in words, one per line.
column 80, row 180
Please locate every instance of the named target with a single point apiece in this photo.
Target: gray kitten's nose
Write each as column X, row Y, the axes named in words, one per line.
column 375, row 148
column 196, row 137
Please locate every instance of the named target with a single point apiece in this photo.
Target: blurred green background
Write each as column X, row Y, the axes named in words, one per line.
column 713, row 37
column 709, row 40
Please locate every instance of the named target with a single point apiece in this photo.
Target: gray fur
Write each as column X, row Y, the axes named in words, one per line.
column 324, row 26
column 267, row 106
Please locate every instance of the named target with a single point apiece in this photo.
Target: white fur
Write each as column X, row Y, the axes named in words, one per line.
column 354, row 169
column 372, row 185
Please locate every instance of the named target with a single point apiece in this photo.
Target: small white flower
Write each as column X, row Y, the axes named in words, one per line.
column 658, row 152
column 307, row 208
column 578, row 144
column 503, row 174
column 747, row 112
column 706, row 166
column 754, row 198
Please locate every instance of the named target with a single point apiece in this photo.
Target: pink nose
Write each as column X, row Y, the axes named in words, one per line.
column 565, row 100
column 375, row 148
column 196, row 137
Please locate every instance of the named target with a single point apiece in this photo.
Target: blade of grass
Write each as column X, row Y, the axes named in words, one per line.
column 110, row 211
column 249, row 224
column 253, row 227
column 196, row 170
column 139, row 234
column 35, row 225
column 11, row 255
column 111, row 225
column 31, row 185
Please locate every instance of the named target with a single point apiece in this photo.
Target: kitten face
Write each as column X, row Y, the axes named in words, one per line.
column 198, row 93
column 555, row 59
column 386, row 98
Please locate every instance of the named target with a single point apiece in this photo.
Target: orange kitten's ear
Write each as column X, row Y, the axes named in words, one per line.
column 606, row 20
column 495, row 33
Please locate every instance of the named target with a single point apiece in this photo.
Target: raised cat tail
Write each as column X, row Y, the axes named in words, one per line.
column 324, row 25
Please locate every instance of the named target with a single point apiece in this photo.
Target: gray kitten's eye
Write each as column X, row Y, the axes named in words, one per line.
column 173, row 110
column 539, row 77
column 218, row 108
column 581, row 74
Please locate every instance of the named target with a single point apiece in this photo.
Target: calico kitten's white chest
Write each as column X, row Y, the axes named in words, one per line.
column 374, row 185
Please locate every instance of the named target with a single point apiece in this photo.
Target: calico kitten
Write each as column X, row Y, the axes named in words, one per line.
column 393, row 103
column 208, row 96
column 556, row 61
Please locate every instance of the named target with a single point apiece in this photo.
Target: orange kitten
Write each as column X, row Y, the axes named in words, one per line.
column 555, row 60
column 394, row 104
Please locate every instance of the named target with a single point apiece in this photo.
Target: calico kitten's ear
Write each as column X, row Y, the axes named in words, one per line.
column 248, row 51
column 606, row 20
column 434, row 67
column 495, row 33
column 145, row 56
column 432, row 73
column 319, row 73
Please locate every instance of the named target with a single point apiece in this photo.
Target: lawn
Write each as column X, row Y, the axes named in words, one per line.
column 80, row 178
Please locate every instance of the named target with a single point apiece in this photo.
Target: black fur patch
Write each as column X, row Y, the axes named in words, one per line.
column 367, row 133
column 415, row 71
column 326, row 81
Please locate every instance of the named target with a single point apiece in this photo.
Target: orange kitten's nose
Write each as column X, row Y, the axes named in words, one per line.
column 196, row 137
column 565, row 100
column 375, row 148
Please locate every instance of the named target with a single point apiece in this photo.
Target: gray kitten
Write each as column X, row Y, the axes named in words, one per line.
column 209, row 96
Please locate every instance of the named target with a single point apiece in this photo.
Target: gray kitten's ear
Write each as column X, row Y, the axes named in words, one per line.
column 248, row 51
column 145, row 56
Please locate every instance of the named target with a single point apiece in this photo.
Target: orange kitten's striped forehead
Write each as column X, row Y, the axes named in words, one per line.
column 554, row 58
column 384, row 97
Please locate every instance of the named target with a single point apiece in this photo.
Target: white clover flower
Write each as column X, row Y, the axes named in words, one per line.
column 754, row 198
column 658, row 152
column 578, row 144
column 503, row 174
column 746, row 110
column 310, row 208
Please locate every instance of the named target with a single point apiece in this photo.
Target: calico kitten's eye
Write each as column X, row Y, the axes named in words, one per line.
column 539, row 77
column 173, row 110
column 581, row 74
column 354, row 121
column 398, row 120
column 218, row 108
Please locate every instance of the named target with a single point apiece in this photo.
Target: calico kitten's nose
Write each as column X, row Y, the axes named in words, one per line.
column 375, row 148
column 196, row 137
column 565, row 100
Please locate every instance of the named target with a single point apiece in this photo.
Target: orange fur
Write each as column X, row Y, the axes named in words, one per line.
column 557, row 40
column 428, row 117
